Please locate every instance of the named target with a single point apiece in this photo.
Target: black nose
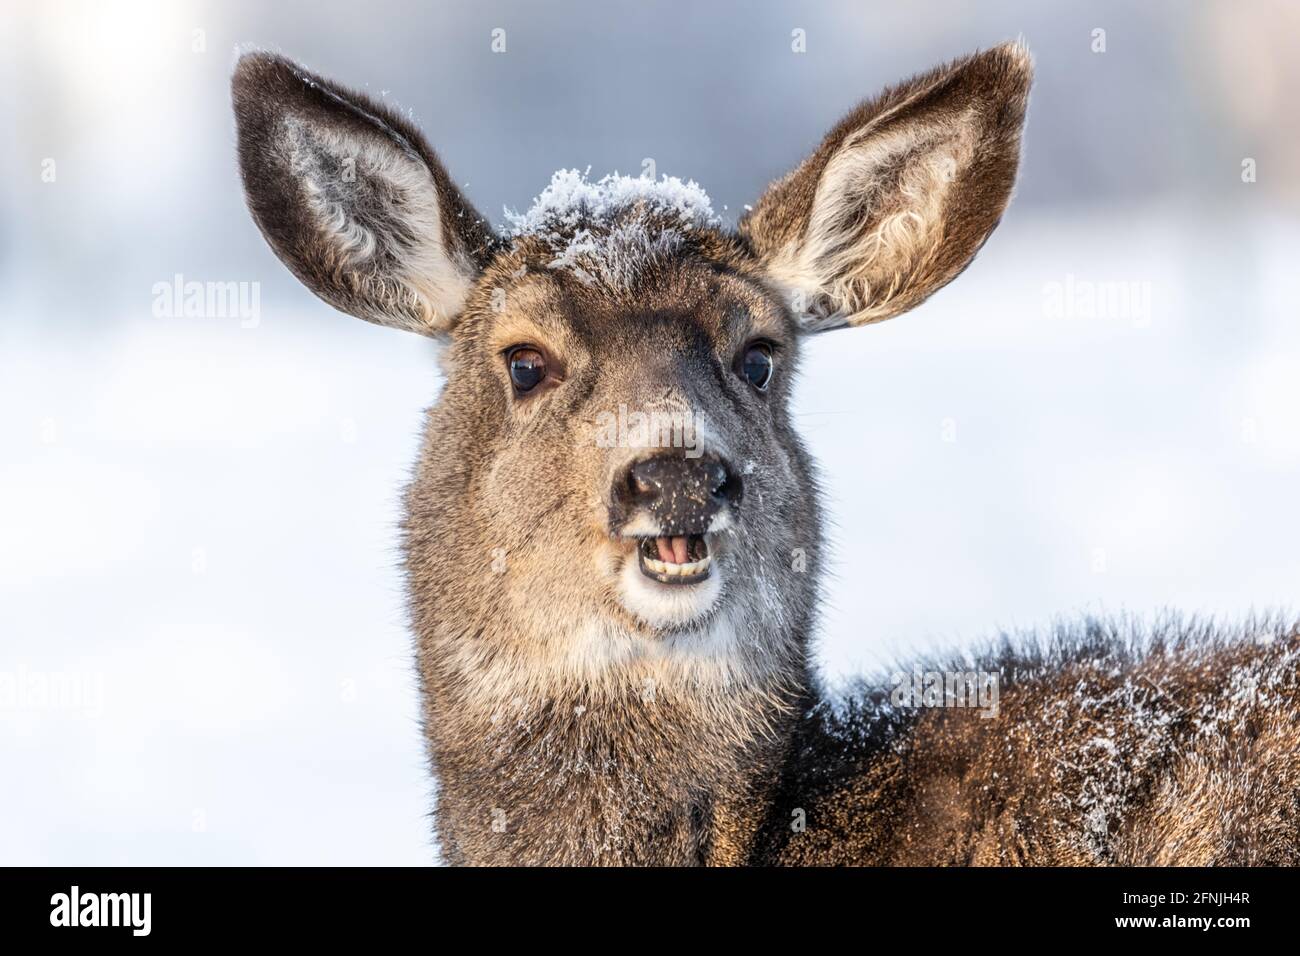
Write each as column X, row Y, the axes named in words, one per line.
column 682, row 494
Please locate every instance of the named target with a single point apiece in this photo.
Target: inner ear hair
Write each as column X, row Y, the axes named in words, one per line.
column 900, row 195
column 352, row 199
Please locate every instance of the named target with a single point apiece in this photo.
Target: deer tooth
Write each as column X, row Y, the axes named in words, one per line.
column 652, row 563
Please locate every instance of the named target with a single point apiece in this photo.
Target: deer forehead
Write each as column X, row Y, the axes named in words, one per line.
column 622, row 285
column 612, row 235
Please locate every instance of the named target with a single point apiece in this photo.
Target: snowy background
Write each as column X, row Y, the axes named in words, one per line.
column 197, row 518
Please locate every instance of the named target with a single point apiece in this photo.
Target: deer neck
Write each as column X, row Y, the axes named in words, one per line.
column 659, row 756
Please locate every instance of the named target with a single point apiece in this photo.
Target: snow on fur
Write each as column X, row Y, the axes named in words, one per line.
column 1104, row 706
column 605, row 231
column 572, row 200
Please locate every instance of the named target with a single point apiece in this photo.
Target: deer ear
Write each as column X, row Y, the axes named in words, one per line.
column 352, row 199
column 900, row 195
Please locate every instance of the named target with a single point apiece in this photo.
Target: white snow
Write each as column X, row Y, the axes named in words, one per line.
column 572, row 200
column 605, row 232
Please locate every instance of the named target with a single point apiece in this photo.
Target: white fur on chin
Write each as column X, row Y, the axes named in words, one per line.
column 667, row 605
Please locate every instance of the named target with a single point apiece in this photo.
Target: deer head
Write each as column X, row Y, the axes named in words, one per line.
column 611, row 490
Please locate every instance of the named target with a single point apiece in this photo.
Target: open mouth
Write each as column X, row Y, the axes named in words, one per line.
column 679, row 559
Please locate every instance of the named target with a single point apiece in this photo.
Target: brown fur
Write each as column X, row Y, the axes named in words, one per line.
column 1110, row 747
column 575, row 714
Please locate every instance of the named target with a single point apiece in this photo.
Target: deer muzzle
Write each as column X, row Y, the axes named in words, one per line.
column 671, row 504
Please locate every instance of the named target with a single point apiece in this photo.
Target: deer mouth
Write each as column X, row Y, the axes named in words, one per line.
column 679, row 559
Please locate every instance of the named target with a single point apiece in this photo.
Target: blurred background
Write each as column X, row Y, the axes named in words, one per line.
column 203, row 655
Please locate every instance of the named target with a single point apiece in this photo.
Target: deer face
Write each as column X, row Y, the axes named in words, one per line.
column 612, row 453
column 631, row 370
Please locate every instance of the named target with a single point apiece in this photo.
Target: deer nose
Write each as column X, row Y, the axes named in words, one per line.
column 681, row 494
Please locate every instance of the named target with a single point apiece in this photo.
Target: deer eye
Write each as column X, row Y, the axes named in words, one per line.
column 527, row 367
column 756, row 365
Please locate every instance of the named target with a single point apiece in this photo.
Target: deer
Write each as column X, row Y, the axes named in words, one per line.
column 613, row 631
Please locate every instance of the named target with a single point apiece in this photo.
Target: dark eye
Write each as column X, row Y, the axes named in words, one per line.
column 756, row 365
column 527, row 367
